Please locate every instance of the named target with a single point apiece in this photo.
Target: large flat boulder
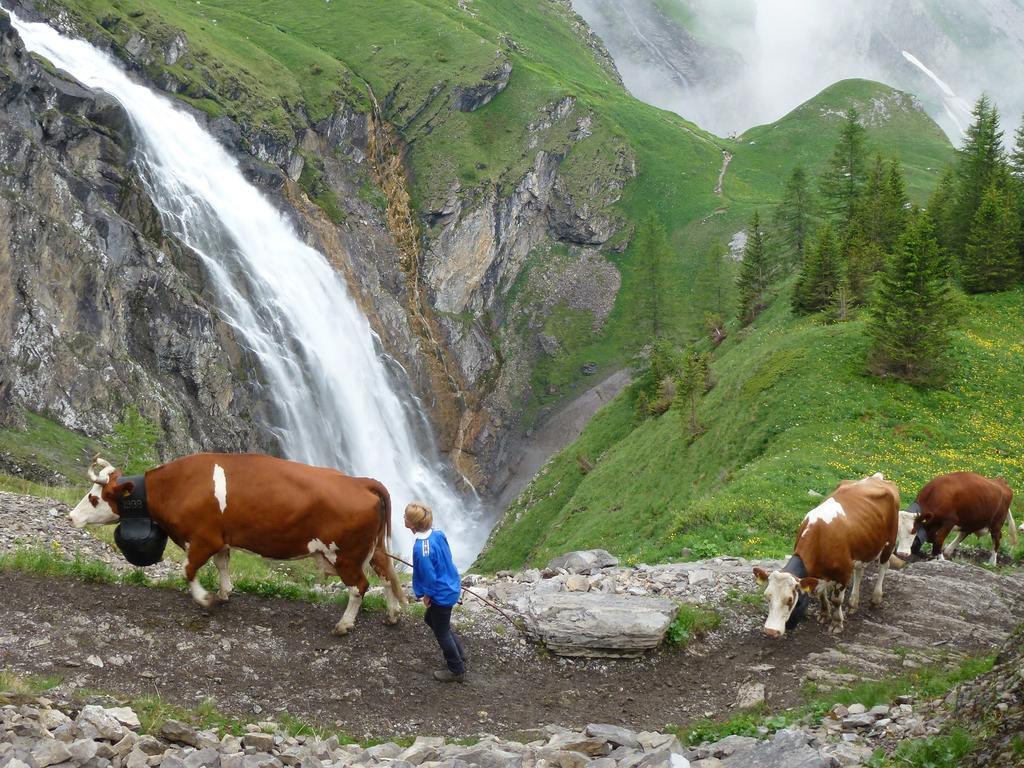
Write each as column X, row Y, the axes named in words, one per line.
column 583, row 561
column 596, row 624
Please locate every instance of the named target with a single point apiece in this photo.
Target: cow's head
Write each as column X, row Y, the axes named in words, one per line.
column 96, row 508
column 905, row 534
column 783, row 592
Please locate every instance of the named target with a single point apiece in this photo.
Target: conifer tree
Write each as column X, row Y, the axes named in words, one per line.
column 869, row 217
column 912, row 311
column 863, row 260
column 841, row 303
column 653, row 253
column 991, row 260
column 979, row 162
column 843, row 178
column 691, row 383
column 820, row 274
column 795, row 214
column 1017, row 155
column 714, row 280
column 755, row 272
column 894, row 206
column 940, row 216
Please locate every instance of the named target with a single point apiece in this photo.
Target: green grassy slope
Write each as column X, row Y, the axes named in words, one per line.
column 765, row 155
column 793, row 412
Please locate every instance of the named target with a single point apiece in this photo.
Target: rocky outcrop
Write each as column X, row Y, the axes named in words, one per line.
column 467, row 98
column 98, row 309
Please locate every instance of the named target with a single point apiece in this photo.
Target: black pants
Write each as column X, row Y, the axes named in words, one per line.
column 439, row 618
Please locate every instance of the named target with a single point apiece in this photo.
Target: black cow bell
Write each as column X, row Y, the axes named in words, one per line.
column 140, row 540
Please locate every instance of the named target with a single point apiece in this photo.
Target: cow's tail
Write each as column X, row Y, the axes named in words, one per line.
column 1013, row 526
column 384, row 541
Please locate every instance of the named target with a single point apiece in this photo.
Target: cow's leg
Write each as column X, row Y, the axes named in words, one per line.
column 940, row 540
column 997, row 535
column 221, row 559
column 876, row 595
column 858, row 577
column 824, row 602
column 838, row 595
column 384, row 568
column 199, row 551
column 355, row 579
column 950, row 548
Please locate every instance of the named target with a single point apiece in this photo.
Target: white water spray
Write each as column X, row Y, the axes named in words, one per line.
column 336, row 403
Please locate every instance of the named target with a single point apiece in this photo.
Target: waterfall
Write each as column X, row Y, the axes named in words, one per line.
column 335, row 400
column 958, row 110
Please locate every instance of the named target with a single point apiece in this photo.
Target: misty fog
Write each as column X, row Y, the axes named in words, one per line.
column 729, row 65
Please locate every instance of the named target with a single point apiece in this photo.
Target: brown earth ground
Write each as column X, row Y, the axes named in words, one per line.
column 255, row 657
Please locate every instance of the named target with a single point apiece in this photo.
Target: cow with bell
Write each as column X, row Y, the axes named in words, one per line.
column 852, row 527
column 211, row 503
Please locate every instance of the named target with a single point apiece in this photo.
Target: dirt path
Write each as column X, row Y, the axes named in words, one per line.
column 276, row 654
column 726, row 157
column 258, row 656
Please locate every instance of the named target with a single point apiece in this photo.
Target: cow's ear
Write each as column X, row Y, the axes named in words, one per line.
column 808, row 584
column 124, row 489
column 761, row 574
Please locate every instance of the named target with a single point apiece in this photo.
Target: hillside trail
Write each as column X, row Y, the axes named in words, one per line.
column 256, row 657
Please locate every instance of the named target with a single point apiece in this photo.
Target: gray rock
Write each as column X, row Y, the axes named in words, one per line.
column 750, row 695
column 613, row 734
column 203, row 758
column 583, row 561
column 48, row 752
column 596, row 624
column 95, row 723
column 175, row 730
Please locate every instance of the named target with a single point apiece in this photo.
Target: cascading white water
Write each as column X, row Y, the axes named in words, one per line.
column 958, row 110
column 336, row 400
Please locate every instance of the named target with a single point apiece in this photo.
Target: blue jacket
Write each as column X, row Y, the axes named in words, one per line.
column 433, row 571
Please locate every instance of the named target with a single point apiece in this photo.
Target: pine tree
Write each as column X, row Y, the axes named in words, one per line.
column 653, row 253
column 894, row 206
column 843, row 178
column 912, row 311
column 795, row 214
column 841, row 303
column 714, row 281
column 820, row 274
column 991, row 260
column 755, row 272
column 691, row 383
column 869, row 216
column 940, row 216
column 979, row 162
column 864, row 260
column 1017, row 155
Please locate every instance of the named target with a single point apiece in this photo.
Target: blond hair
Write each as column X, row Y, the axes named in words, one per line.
column 419, row 517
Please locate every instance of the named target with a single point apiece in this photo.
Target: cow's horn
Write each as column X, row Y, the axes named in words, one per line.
column 97, row 462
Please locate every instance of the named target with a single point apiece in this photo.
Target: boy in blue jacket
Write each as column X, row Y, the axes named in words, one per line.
column 435, row 580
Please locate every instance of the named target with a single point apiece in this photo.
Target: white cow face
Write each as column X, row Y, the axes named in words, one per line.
column 905, row 534
column 782, row 591
column 93, row 509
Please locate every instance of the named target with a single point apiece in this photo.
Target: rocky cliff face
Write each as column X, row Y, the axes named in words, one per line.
column 435, row 283
column 97, row 308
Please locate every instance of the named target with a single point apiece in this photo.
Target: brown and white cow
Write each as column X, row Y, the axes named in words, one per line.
column 211, row 503
column 965, row 501
column 834, row 544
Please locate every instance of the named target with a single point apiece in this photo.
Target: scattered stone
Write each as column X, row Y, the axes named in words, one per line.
column 750, row 695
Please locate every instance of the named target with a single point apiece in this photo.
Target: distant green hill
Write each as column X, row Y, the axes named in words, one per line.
column 792, row 414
